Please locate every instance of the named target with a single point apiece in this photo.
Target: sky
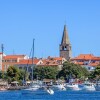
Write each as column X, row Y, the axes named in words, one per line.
column 44, row 20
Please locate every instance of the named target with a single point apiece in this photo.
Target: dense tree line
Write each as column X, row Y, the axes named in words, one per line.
column 69, row 70
column 14, row 74
column 95, row 75
column 46, row 72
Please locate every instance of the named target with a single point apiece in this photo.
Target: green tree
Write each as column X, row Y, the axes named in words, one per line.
column 16, row 74
column 13, row 74
column 45, row 72
column 23, row 74
column 3, row 75
column 95, row 74
column 73, row 70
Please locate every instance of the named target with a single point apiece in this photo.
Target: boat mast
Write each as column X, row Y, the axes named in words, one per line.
column 2, row 48
column 32, row 58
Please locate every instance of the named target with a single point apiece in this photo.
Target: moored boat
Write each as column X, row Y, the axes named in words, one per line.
column 73, row 86
column 97, row 86
column 49, row 90
column 88, row 86
column 59, row 86
column 3, row 88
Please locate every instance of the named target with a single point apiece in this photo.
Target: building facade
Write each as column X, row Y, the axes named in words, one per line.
column 11, row 60
column 89, row 61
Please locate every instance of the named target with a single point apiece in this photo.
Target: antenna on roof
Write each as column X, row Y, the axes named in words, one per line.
column 2, row 48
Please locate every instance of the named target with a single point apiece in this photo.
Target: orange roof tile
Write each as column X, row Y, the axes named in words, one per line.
column 49, row 62
column 84, row 56
column 55, row 58
column 13, row 56
column 28, row 61
column 94, row 64
column 80, row 63
column 58, row 58
column 96, row 58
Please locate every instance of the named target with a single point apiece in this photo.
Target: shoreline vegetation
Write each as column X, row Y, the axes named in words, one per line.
column 15, row 78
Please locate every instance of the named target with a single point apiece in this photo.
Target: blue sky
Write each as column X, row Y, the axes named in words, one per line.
column 23, row 20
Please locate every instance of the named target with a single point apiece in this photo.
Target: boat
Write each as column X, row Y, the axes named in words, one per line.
column 33, row 85
column 3, row 89
column 50, row 91
column 59, row 86
column 88, row 86
column 97, row 86
column 73, row 86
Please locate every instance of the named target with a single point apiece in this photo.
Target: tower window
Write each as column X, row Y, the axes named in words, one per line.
column 65, row 48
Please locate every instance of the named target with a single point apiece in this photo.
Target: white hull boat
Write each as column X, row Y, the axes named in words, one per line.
column 33, row 87
column 50, row 91
column 89, row 86
column 73, row 86
column 97, row 86
column 59, row 87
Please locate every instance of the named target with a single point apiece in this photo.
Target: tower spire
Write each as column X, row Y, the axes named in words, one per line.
column 65, row 38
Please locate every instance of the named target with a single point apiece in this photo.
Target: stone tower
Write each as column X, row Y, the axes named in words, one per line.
column 65, row 46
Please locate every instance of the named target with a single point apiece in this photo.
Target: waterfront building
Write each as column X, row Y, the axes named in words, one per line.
column 27, row 64
column 50, row 61
column 54, row 62
column 11, row 60
column 89, row 61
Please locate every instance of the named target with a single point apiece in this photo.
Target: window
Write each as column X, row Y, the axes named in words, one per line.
column 65, row 48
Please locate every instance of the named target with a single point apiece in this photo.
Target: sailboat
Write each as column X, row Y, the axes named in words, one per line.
column 33, row 85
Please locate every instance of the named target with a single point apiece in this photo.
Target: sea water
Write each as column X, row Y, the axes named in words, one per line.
column 43, row 95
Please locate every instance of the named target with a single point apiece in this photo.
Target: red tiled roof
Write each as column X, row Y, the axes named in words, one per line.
column 84, row 56
column 96, row 58
column 80, row 63
column 58, row 58
column 29, row 61
column 13, row 56
column 94, row 64
column 49, row 62
column 55, row 58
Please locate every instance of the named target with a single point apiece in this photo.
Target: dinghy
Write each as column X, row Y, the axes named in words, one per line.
column 50, row 91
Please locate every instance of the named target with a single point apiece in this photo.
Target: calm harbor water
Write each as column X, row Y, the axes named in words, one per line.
column 42, row 95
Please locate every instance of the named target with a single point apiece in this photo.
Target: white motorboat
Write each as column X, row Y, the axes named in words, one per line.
column 73, row 86
column 88, row 86
column 59, row 86
column 50, row 91
column 3, row 89
column 97, row 86
column 33, row 86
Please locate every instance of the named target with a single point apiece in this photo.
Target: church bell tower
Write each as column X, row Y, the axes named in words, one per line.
column 65, row 46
